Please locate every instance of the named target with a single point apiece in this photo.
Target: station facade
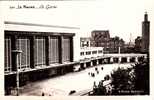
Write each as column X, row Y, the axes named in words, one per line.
column 37, row 51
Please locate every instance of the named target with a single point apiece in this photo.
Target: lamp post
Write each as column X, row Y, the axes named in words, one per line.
column 119, row 56
column 16, row 52
column 119, row 50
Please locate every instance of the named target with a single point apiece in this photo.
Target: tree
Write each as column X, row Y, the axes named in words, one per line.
column 131, row 81
column 121, row 81
column 101, row 89
column 141, row 72
column 127, row 81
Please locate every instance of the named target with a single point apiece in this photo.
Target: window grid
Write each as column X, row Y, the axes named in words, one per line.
column 66, row 49
column 53, row 50
column 40, row 58
column 23, row 44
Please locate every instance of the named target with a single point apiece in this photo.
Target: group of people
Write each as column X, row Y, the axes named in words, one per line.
column 92, row 74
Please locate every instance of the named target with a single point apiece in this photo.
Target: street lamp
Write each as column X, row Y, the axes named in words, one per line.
column 16, row 52
column 119, row 50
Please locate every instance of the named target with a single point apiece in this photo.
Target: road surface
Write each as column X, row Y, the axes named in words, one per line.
column 62, row 85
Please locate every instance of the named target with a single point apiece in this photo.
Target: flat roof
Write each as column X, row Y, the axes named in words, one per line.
column 41, row 25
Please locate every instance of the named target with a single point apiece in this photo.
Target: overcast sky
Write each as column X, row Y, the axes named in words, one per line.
column 120, row 17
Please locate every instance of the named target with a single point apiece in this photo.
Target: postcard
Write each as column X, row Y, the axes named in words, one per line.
column 64, row 49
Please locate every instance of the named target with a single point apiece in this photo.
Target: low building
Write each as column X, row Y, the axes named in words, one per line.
column 101, row 38
column 115, row 43
column 85, row 42
column 90, row 52
column 129, row 47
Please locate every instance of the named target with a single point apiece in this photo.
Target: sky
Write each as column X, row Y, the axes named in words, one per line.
column 121, row 17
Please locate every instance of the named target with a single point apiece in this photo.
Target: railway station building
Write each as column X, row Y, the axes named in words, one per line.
column 36, row 51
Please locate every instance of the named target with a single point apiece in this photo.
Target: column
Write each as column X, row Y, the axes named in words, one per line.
column 128, row 59
column 32, row 47
column 84, row 65
column 102, row 61
column 14, row 56
column 71, row 49
column 97, row 62
column 105, row 60
column 60, row 48
column 108, row 60
column 47, row 38
column 91, row 63
column 145, row 58
column 111, row 59
column 136, row 59
column 119, row 60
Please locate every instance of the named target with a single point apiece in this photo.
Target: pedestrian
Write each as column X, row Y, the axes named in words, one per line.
column 102, row 68
column 97, row 72
column 96, row 69
column 43, row 94
column 93, row 74
column 94, row 86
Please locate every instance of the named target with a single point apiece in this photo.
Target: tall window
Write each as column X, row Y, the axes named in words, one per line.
column 40, row 58
column 23, row 44
column 7, row 54
column 66, row 49
column 53, row 50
